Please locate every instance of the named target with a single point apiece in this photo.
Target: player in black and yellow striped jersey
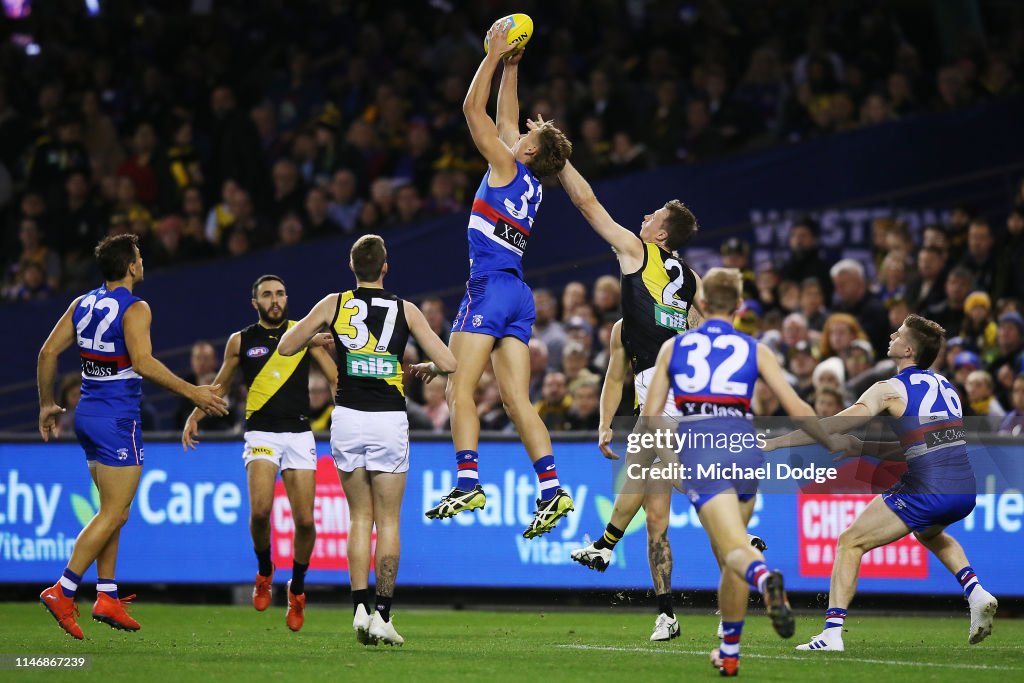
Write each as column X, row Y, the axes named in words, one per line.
column 369, row 328
column 277, row 435
column 658, row 293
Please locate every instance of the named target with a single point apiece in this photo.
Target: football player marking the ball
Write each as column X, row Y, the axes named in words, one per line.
column 938, row 488
column 277, row 436
column 711, row 371
column 370, row 328
column 496, row 315
column 111, row 327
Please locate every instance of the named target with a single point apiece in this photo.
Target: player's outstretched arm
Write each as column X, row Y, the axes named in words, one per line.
column 223, row 383
column 481, row 126
column 136, row 323
column 61, row 337
column 442, row 360
column 694, row 316
column 625, row 243
column 611, row 392
column 299, row 335
column 771, row 372
column 508, row 99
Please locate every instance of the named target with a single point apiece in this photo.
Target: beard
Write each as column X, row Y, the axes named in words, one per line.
column 272, row 317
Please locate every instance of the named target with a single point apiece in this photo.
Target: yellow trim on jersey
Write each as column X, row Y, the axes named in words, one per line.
column 655, row 279
column 270, row 378
column 344, row 328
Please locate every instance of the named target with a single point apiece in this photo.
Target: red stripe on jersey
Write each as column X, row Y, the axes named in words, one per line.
column 716, row 400
column 915, row 436
column 493, row 215
column 122, row 361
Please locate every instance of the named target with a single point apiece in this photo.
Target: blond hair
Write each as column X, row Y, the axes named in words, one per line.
column 722, row 290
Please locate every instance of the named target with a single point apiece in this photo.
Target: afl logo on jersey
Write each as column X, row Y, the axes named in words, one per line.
column 257, row 351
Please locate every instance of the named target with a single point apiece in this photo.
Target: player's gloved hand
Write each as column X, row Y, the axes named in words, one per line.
column 847, row 446
column 48, row 421
column 190, row 432
column 209, row 401
column 604, row 438
column 497, row 39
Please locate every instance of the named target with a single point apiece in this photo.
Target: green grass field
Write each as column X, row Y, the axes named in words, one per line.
column 179, row 643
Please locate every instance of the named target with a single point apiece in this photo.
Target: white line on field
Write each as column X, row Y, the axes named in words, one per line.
column 745, row 655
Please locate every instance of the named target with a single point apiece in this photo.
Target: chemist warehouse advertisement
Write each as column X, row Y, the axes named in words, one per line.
column 189, row 523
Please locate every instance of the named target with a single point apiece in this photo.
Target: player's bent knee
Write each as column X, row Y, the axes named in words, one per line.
column 851, row 539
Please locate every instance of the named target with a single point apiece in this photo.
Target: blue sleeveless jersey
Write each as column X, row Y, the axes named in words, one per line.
column 110, row 387
column 713, row 369
column 931, row 429
column 500, row 224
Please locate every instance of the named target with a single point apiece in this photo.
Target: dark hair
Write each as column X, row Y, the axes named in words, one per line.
column 264, row 278
column 680, row 224
column 115, row 254
column 927, row 337
column 368, row 256
column 553, row 151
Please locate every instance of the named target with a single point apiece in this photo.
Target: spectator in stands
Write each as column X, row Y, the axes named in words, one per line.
column 1013, row 423
column 290, row 230
column 979, row 259
column 547, row 328
column 321, row 402
column 573, row 294
column 345, row 206
column 981, row 394
column 964, row 363
column 408, row 204
column 583, row 415
column 839, row 332
column 950, row 313
column 70, row 392
column 539, row 359
column 30, row 284
column 591, row 150
column 861, row 369
column 765, row 402
column 607, row 298
column 203, row 362
column 235, row 150
column 892, row 277
column 489, row 406
column 852, row 297
column 144, row 169
column 441, row 199
column 288, row 192
column 34, row 251
column 1010, row 342
column 318, row 220
column 701, row 140
column 575, row 359
column 170, row 246
column 801, row 364
column 830, row 372
column 812, row 303
column 828, row 401
column 435, row 406
column 735, row 253
column 1009, row 276
column 434, row 311
column 925, row 289
column 805, row 259
column 553, row 406
column 99, row 137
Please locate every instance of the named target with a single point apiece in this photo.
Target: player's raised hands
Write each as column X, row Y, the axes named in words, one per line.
column 497, row 38
column 513, row 57
column 48, row 421
column 604, row 438
column 535, row 124
column 208, row 399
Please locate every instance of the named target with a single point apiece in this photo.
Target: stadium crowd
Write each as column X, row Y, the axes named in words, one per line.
column 245, row 125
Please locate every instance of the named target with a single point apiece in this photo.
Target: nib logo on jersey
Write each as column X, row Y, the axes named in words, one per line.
column 372, row 365
column 28, row 512
column 510, row 506
column 330, row 516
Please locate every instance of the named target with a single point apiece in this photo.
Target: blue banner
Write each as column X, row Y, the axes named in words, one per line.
column 189, row 524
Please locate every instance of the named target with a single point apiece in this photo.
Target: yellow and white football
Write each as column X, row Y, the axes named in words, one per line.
column 520, row 32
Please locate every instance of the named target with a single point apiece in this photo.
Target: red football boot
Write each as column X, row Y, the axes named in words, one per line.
column 296, row 609
column 112, row 612
column 63, row 609
column 261, row 592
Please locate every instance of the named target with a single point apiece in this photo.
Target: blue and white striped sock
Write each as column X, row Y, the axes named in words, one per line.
column 834, row 618
column 968, row 580
column 108, row 586
column 730, row 646
column 469, row 474
column 69, row 583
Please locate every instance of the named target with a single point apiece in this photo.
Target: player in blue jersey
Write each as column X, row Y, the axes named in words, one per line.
column 111, row 328
column 937, row 490
column 496, row 315
column 711, row 371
